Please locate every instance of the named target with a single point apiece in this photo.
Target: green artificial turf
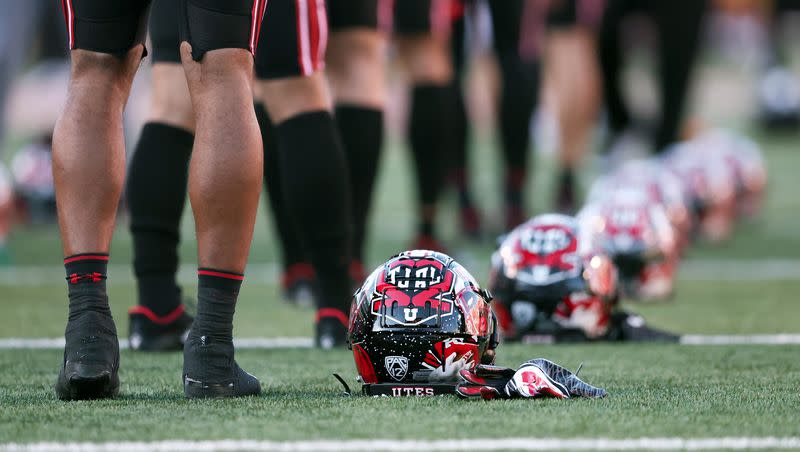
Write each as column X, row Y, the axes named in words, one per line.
column 655, row 390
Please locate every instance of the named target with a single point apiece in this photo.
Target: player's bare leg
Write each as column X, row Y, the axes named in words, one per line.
column 225, row 171
column 573, row 74
column 89, row 150
column 427, row 61
column 224, row 186
column 356, row 70
column 316, row 189
column 88, row 170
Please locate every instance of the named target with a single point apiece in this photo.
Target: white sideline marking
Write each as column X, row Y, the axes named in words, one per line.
column 268, row 343
column 768, row 269
column 433, row 445
column 741, row 339
column 43, row 343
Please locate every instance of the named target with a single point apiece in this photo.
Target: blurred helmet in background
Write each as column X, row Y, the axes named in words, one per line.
column 550, row 279
column 746, row 163
column 32, row 172
column 637, row 235
column 711, row 183
column 420, row 317
column 661, row 186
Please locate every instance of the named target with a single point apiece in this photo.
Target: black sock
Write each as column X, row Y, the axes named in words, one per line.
column 291, row 246
column 514, row 184
column 217, row 292
column 677, row 54
column 611, row 65
column 566, row 178
column 520, row 87
column 565, row 194
column 430, row 134
column 317, row 190
column 156, row 194
column 361, row 130
column 460, row 158
column 86, row 278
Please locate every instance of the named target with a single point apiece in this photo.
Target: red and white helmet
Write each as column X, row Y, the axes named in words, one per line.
column 711, row 182
column 420, row 318
column 660, row 185
column 746, row 163
column 637, row 235
column 550, row 279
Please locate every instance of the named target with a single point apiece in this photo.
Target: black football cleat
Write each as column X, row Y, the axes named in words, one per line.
column 331, row 329
column 210, row 371
column 151, row 333
column 632, row 328
column 470, row 222
column 565, row 200
column 297, row 282
column 91, row 359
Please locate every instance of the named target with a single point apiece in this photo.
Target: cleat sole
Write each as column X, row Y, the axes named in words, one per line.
column 87, row 382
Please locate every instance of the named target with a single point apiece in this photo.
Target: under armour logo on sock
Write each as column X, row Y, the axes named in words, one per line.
column 94, row 277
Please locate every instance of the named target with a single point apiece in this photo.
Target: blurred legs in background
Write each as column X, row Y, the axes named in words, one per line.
column 356, row 70
column 156, row 192
column 422, row 37
column 518, row 30
column 312, row 164
column 572, row 73
column 677, row 51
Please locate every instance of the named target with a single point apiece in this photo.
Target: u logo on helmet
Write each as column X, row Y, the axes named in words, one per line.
column 412, row 292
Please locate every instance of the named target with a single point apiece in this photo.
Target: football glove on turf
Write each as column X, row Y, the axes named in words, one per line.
column 535, row 378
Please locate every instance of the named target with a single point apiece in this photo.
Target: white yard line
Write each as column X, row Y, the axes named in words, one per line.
column 267, row 343
column 740, row 443
column 768, row 269
column 43, row 343
column 741, row 339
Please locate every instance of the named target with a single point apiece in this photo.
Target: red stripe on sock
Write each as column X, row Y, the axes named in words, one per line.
column 332, row 312
column 163, row 320
column 86, row 257
column 220, row 274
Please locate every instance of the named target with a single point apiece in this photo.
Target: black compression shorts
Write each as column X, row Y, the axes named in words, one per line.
column 571, row 13
column 423, row 17
column 165, row 38
column 293, row 39
column 348, row 14
column 116, row 26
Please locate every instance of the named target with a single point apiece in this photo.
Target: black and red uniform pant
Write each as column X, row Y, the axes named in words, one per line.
column 295, row 33
column 116, row 26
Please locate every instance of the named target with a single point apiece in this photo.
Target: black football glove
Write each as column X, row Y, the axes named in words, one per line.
column 535, row 378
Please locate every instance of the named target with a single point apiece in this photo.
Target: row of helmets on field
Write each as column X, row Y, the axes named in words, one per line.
column 421, row 317
column 636, row 224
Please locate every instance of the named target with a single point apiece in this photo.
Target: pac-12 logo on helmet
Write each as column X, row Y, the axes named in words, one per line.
column 413, row 291
column 396, row 366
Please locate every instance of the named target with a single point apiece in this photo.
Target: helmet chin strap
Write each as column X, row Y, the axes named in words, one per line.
column 347, row 392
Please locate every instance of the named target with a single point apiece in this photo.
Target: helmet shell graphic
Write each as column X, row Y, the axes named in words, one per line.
column 420, row 317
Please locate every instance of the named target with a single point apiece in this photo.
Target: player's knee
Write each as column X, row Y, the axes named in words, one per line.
column 104, row 72
column 427, row 60
column 217, row 66
column 287, row 97
column 353, row 49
